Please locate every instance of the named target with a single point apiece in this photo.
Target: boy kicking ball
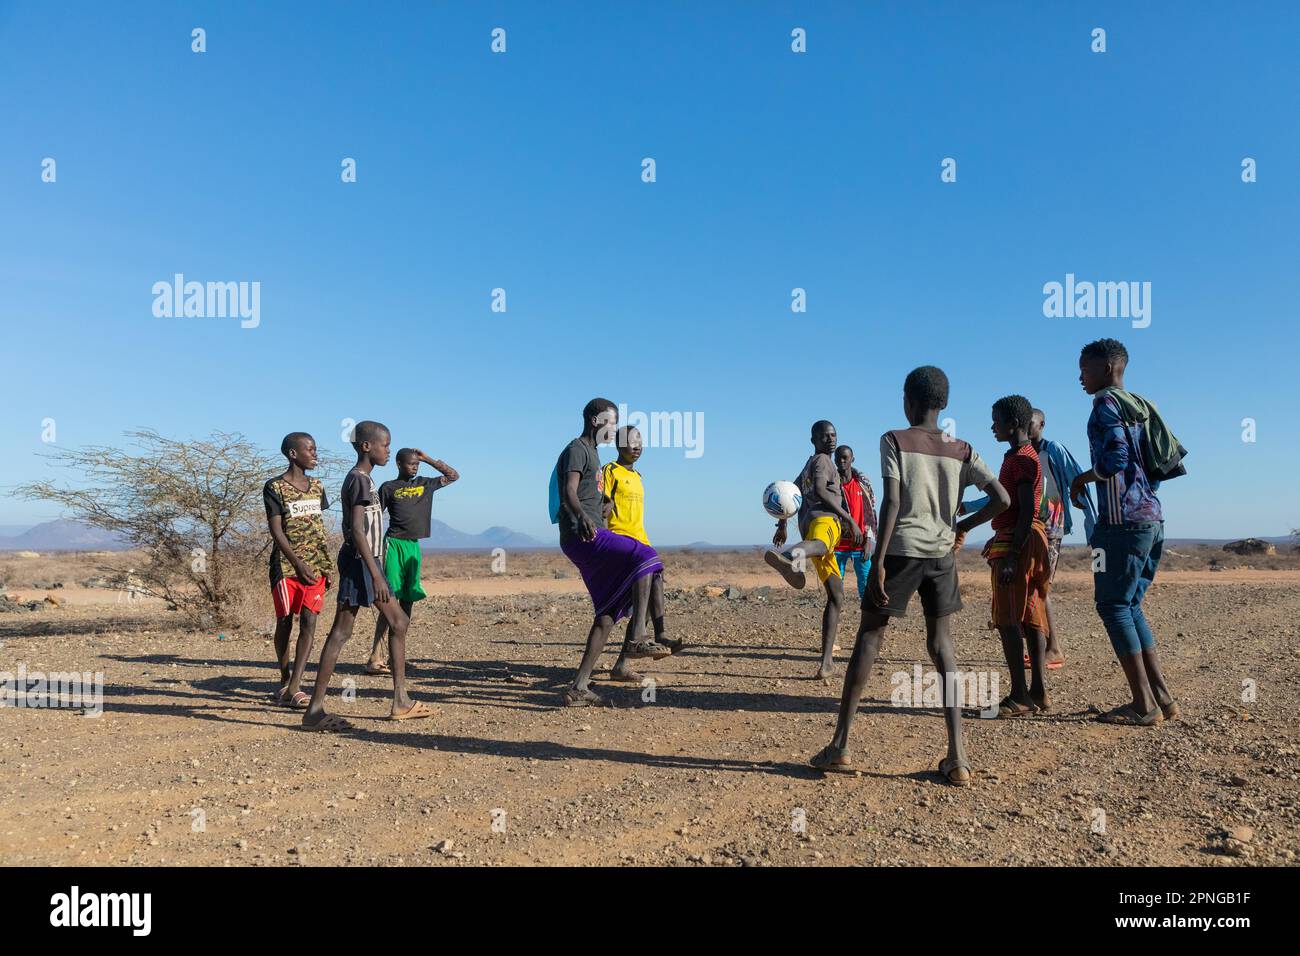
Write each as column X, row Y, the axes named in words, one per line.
column 823, row 519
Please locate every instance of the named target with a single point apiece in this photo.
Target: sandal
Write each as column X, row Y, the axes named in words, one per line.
column 583, row 698
column 785, row 567
column 639, row 649
column 832, row 760
column 956, row 772
column 329, row 724
column 1126, row 716
column 417, row 710
column 298, row 701
column 1007, row 707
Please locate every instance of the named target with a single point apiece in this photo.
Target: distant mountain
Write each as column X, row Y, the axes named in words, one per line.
column 443, row 537
column 63, row 534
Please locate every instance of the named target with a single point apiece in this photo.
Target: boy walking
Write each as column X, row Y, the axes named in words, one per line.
column 362, row 583
column 924, row 471
column 1130, row 524
column 1018, row 561
column 300, row 560
column 860, row 500
column 408, row 499
column 616, row 569
column 625, row 490
column 823, row 520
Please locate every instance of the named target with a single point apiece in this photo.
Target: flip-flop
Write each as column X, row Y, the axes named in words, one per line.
column 785, row 567
column 639, row 649
column 1051, row 665
column 328, row 724
column 1126, row 716
column 1043, row 706
column 299, row 701
column 832, row 760
column 1013, row 708
column 956, row 772
column 415, row 712
column 583, row 698
column 377, row 670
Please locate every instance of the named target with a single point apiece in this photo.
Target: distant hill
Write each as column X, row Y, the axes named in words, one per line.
column 443, row 537
column 66, row 535
column 63, row 534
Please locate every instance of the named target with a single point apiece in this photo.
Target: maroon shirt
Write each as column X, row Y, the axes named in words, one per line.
column 1020, row 465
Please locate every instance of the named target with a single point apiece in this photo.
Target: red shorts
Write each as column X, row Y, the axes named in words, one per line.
column 291, row 596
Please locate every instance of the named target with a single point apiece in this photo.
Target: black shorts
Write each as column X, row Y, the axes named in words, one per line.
column 934, row 578
column 356, row 586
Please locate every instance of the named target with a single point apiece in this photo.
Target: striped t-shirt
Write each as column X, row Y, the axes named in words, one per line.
column 932, row 471
column 359, row 489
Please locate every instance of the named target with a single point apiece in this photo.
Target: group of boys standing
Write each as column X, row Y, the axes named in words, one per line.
column 375, row 568
column 923, row 523
column 909, row 549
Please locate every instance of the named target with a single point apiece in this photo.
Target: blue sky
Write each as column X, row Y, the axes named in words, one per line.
column 775, row 170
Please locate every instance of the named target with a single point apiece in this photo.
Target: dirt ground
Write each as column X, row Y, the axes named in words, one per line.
column 189, row 765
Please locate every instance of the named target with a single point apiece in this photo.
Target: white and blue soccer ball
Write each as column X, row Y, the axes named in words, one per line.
column 782, row 499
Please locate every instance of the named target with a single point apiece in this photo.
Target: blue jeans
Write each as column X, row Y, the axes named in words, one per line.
column 861, row 566
column 1132, row 554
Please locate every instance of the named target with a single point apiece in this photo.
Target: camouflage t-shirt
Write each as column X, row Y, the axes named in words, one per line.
column 301, row 517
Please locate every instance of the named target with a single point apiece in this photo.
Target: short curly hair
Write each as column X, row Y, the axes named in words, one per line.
column 1015, row 410
column 926, row 387
column 1109, row 350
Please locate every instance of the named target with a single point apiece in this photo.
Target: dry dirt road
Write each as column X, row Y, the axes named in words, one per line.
column 188, row 764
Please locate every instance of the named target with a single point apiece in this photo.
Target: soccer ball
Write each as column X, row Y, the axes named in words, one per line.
column 782, row 499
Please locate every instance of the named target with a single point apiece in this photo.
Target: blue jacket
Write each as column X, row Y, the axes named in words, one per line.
column 1064, row 470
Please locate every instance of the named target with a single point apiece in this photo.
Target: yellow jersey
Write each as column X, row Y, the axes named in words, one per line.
column 623, row 487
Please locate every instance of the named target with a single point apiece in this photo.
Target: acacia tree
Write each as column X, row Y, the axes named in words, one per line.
column 193, row 507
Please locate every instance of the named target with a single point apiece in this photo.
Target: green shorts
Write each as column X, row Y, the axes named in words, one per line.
column 402, row 568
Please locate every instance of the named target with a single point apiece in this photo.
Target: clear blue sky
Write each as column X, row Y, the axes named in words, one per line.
column 775, row 170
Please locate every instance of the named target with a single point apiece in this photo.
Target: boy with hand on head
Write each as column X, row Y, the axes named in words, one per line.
column 362, row 583
column 625, row 491
column 1019, row 562
column 860, row 500
column 300, row 560
column 924, row 472
column 1130, row 532
column 408, row 499
column 823, row 519
column 616, row 569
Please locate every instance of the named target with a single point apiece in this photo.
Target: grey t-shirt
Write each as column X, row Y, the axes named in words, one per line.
column 932, row 471
column 818, row 466
column 580, row 457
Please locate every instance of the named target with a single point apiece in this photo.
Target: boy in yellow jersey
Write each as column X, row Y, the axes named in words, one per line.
column 626, row 494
